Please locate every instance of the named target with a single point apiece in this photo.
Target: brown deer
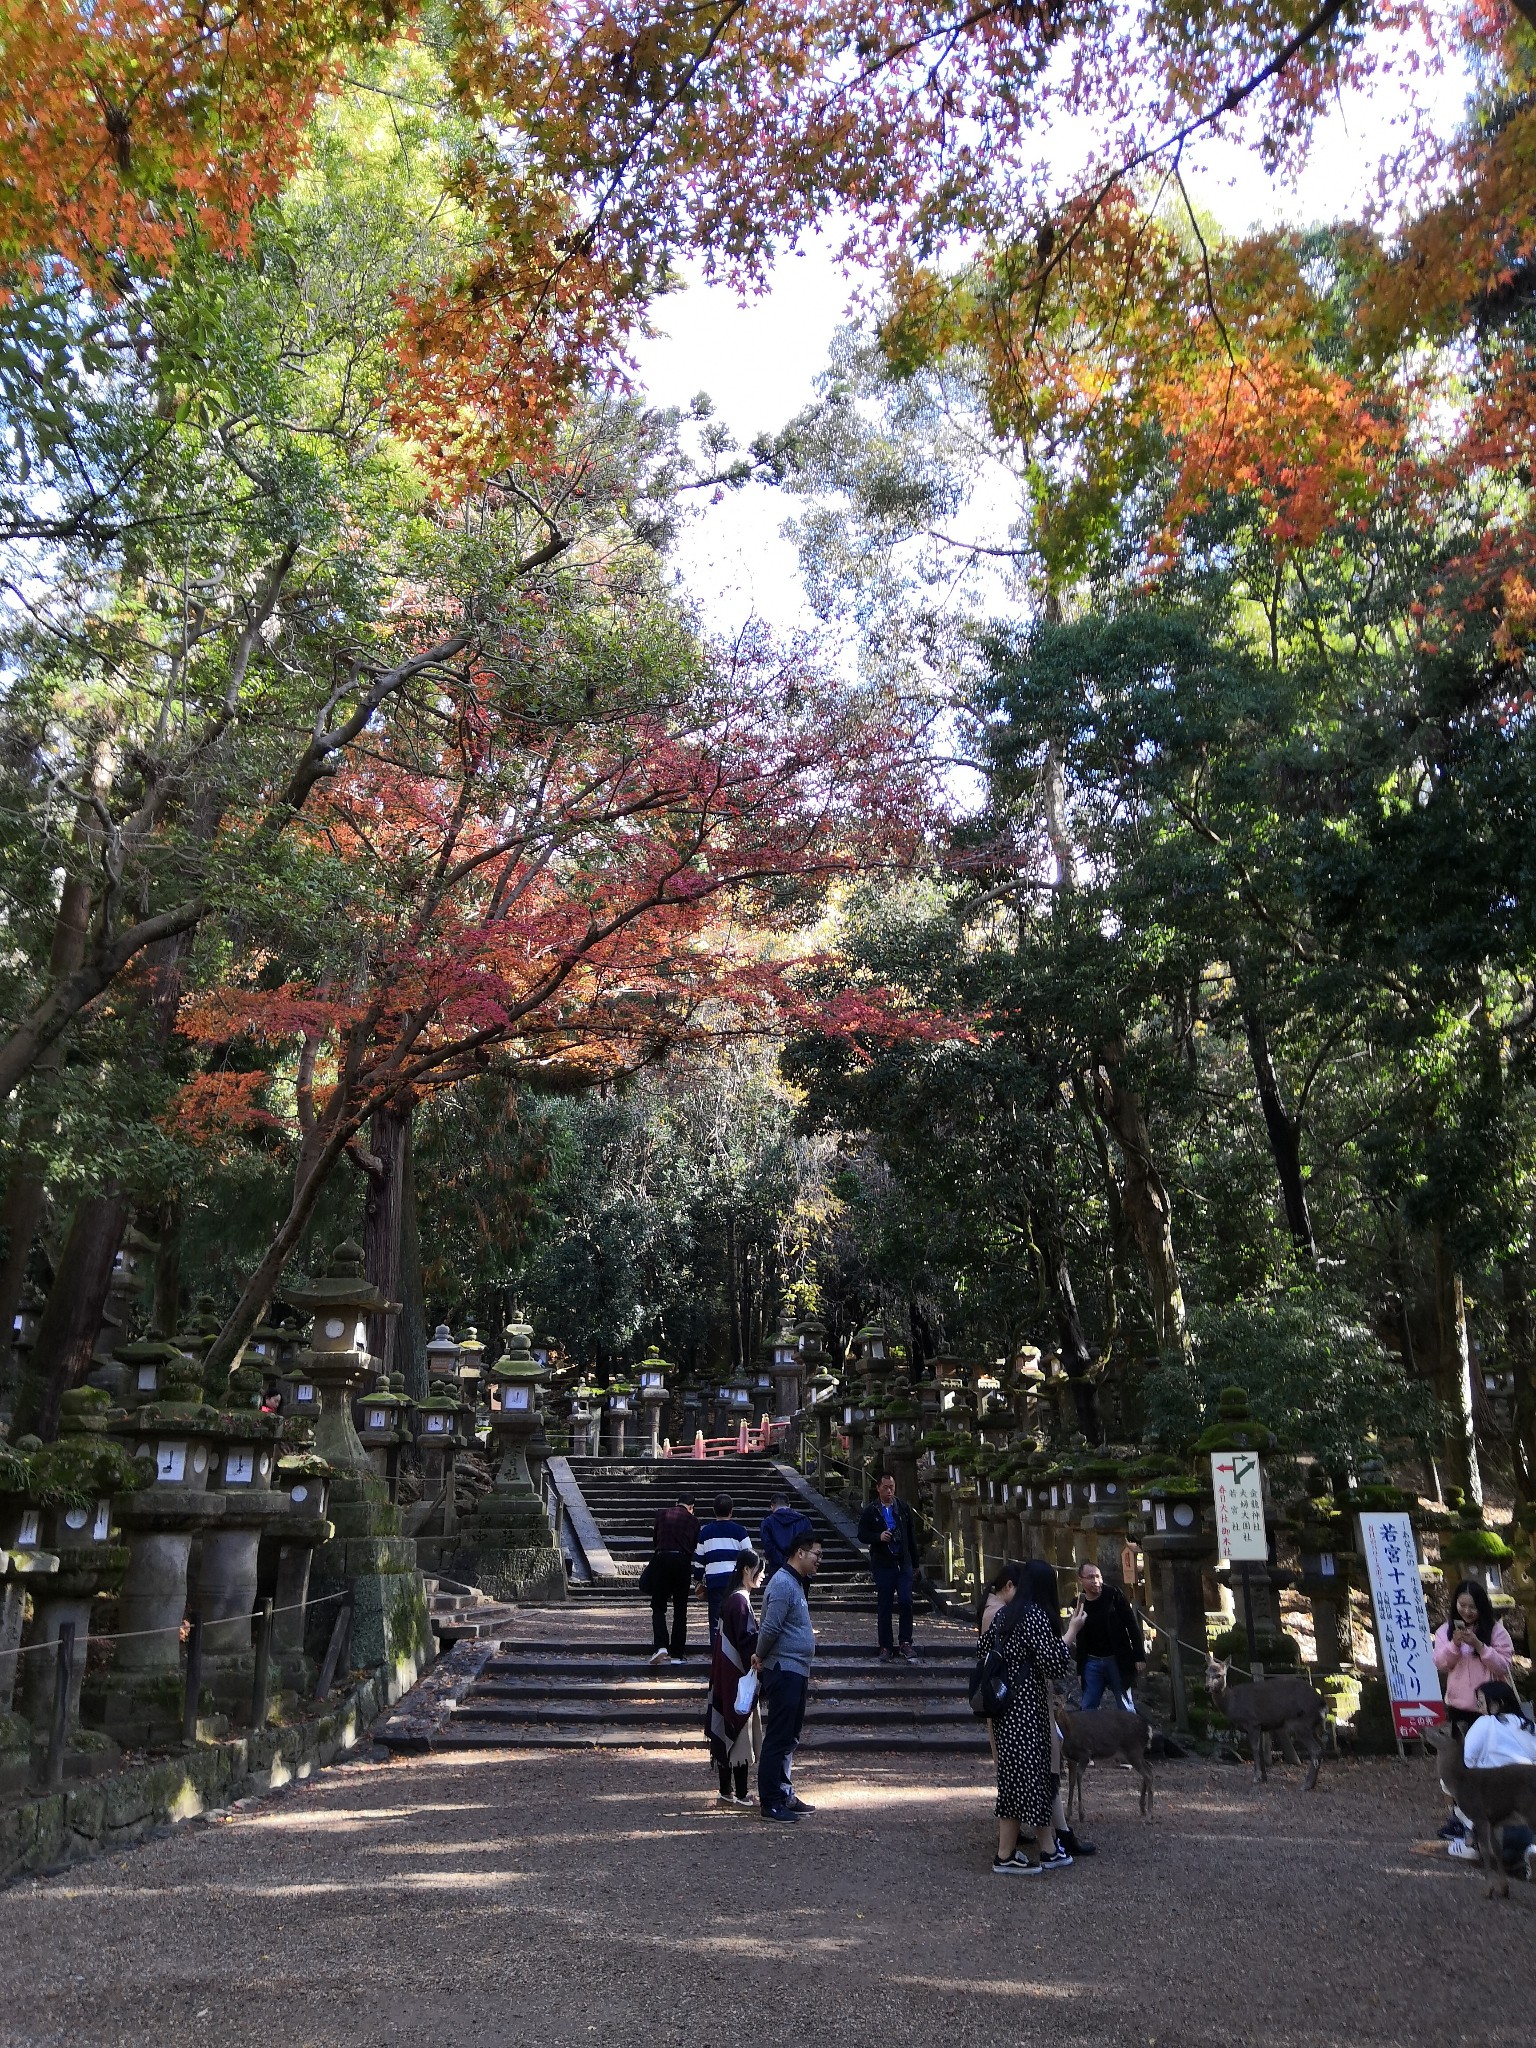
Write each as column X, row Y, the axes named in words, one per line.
column 1284, row 1707
column 1107, row 1735
column 1489, row 1798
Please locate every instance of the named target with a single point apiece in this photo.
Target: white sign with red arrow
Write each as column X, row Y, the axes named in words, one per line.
column 1240, row 1536
column 1402, row 1623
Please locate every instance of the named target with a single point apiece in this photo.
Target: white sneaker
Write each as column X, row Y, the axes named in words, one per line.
column 658, row 1657
column 1466, row 1852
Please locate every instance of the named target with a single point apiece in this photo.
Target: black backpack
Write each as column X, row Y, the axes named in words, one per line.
column 990, row 1689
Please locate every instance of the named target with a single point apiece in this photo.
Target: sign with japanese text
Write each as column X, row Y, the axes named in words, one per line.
column 1402, row 1623
column 1240, row 1537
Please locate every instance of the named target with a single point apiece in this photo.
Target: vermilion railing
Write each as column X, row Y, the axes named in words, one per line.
column 763, row 1436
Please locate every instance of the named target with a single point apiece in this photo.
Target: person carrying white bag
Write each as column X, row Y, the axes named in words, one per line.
column 732, row 1721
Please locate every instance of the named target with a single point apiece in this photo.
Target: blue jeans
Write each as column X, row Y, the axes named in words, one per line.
column 1102, row 1675
column 893, row 1590
column 716, row 1593
column 783, row 1700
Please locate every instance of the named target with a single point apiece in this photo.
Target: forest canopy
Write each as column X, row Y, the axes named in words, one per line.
column 1110, row 935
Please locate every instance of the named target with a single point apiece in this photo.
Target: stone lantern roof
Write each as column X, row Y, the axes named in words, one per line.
column 343, row 1287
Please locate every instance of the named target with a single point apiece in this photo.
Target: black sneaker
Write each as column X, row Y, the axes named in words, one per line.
column 779, row 1813
column 1016, row 1865
column 1453, row 1831
column 1068, row 1841
column 798, row 1805
column 1057, row 1860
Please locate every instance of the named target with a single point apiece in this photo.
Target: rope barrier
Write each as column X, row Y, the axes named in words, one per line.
column 175, row 1628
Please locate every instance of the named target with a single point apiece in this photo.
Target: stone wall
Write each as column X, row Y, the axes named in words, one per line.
column 51, row 1830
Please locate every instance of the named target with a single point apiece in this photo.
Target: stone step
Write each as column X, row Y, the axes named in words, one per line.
column 828, row 1741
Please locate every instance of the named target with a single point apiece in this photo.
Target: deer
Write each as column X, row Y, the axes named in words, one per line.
column 1107, row 1735
column 1285, row 1707
column 1489, row 1798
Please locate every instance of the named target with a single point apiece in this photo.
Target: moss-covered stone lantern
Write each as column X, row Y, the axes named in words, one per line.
column 243, row 1468
column 175, row 1435
column 383, row 1419
column 620, row 1409
column 306, row 1481
column 23, row 1557
column 472, row 1374
column 516, row 1555
column 653, row 1398
column 786, row 1372
column 369, row 1556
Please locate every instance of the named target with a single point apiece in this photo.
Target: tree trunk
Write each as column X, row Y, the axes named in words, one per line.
column 165, row 1313
column 1455, row 1373
column 71, row 1321
column 411, row 1323
column 1148, row 1210
column 1515, row 1274
column 389, row 1128
column 1284, row 1139
column 1076, row 1357
column 21, row 1214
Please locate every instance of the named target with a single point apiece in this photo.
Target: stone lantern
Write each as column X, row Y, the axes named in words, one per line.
column 821, row 1397
column 382, row 1417
column 653, row 1398
column 77, row 1477
column 176, row 1437
column 306, row 1481
column 471, row 1373
column 369, row 1556
column 786, row 1372
column 620, row 1412
column 243, row 1468
column 586, row 1417
column 300, row 1405
column 442, row 1431
column 740, row 1390
column 442, row 1361
column 1329, row 1565
column 515, row 1553
column 23, row 1557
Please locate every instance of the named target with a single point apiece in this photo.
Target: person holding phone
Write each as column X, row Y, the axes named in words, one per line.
column 1470, row 1649
column 1111, row 1650
column 888, row 1527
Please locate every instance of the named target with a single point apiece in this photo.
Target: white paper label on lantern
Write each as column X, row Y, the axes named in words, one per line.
column 515, row 1397
column 76, row 1518
column 171, row 1463
column 1326, row 1567
column 199, row 1460
column 1093, row 1494
column 1055, row 1496
column 239, row 1467
column 1161, row 1517
column 304, row 1391
column 263, row 1464
column 436, row 1424
column 148, row 1375
column 299, row 1493
column 334, row 1326
column 31, row 1529
column 101, row 1528
column 377, row 1419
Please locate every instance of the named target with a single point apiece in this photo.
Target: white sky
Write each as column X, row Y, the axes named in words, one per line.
column 759, row 361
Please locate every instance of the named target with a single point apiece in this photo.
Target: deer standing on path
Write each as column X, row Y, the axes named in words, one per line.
column 1489, row 1798
column 1106, row 1735
column 1284, row 1707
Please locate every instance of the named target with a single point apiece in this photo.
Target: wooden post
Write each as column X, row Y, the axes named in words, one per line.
column 64, row 1671
column 194, row 1679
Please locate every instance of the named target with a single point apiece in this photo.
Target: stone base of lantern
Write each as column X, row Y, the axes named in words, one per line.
column 143, row 1709
column 514, row 1550
column 369, row 1557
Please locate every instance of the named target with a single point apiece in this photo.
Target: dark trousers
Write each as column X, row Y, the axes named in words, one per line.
column 733, row 1780
column 671, row 1576
column 783, row 1701
column 893, row 1590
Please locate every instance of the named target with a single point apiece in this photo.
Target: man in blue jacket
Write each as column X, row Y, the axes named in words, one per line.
column 786, row 1643
column 780, row 1527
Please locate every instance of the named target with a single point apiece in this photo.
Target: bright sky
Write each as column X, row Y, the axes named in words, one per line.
column 759, row 361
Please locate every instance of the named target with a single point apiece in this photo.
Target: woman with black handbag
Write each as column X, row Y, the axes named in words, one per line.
column 1025, row 1635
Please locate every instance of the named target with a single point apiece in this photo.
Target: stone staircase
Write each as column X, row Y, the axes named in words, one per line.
column 577, row 1678
column 623, row 1499
column 457, row 1613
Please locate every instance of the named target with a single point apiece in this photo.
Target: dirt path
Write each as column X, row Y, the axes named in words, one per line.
column 605, row 1899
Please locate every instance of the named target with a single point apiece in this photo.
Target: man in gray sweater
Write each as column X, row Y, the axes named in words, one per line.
column 786, row 1643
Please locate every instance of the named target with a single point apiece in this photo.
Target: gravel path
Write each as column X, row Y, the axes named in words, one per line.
column 606, row 1899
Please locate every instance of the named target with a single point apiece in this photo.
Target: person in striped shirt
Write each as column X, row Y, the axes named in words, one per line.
column 721, row 1542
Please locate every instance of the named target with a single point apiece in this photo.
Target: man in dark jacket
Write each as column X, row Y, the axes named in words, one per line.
column 888, row 1527
column 781, row 1526
column 674, row 1538
column 1111, row 1650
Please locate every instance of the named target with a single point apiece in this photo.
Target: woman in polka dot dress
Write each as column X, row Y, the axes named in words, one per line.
column 1026, row 1632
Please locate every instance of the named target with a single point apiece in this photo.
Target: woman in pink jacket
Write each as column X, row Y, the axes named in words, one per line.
column 1470, row 1649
